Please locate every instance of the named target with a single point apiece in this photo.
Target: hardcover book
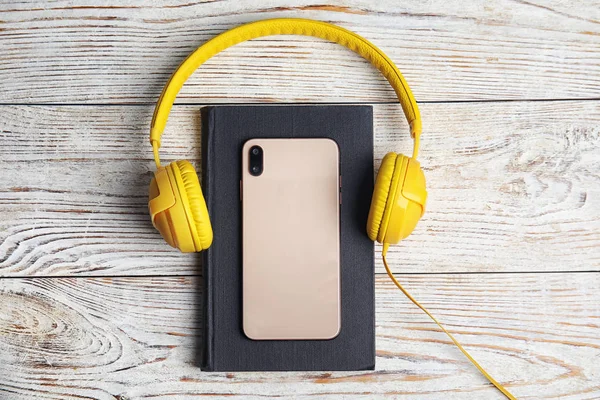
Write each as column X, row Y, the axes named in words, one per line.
column 225, row 129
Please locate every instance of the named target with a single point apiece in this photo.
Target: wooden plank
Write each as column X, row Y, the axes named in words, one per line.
column 136, row 338
column 76, row 51
column 512, row 188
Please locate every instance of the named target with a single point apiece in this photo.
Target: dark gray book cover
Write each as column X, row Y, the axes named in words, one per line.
column 224, row 131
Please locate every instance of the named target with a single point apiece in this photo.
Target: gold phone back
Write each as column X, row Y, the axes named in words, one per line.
column 291, row 241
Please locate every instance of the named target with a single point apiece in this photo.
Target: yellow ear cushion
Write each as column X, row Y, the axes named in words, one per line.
column 380, row 194
column 196, row 204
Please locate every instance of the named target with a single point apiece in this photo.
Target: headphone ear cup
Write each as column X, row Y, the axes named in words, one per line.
column 194, row 204
column 161, row 200
column 406, row 201
column 380, row 195
column 398, row 199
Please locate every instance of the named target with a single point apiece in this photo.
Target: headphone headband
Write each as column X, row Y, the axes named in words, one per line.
column 285, row 26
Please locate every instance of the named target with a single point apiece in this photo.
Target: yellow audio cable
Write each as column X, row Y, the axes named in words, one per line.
column 499, row 386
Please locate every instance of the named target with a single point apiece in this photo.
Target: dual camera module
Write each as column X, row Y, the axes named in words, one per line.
column 256, row 161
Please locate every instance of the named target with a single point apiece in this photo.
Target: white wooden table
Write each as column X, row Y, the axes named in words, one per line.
column 93, row 303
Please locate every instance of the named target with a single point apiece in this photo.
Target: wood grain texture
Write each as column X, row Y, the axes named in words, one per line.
column 88, row 52
column 512, row 186
column 132, row 338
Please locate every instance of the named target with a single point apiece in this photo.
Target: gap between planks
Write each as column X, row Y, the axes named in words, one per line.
column 259, row 102
column 377, row 274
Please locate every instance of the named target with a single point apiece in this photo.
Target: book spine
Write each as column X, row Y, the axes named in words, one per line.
column 207, row 262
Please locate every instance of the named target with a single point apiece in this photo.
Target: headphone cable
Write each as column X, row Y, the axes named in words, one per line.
column 415, row 302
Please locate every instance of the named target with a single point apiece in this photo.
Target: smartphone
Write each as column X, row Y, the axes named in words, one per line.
column 290, row 192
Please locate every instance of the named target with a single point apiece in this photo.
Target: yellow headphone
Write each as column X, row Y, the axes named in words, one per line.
column 177, row 206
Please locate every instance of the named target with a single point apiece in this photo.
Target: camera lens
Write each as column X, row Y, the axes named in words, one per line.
column 255, row 160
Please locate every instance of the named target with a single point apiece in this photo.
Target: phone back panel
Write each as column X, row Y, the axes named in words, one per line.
column 291, row 240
